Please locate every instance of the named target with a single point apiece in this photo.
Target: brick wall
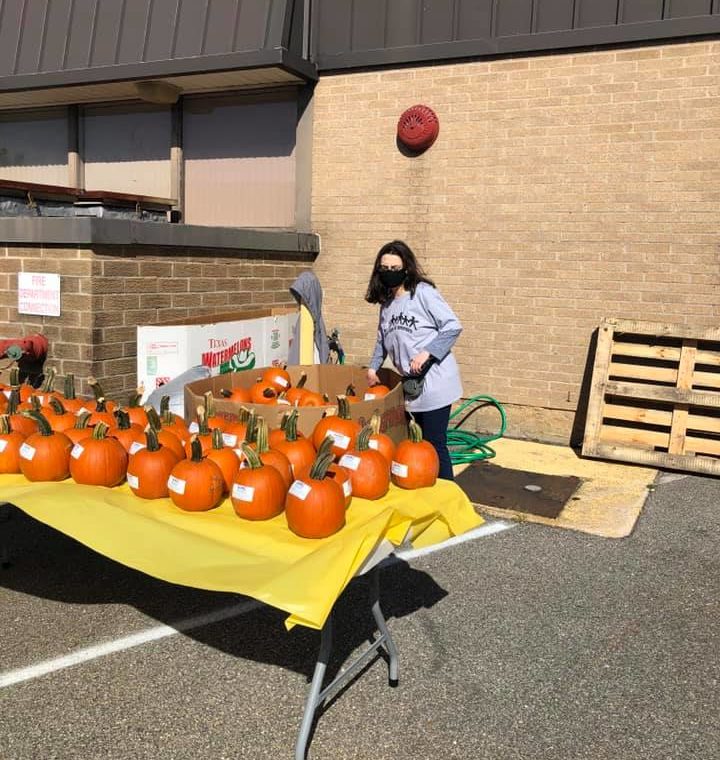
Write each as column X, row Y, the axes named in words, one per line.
column 107, row 292
column 562, row 189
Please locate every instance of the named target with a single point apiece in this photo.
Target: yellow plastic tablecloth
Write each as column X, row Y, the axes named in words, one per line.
column 218, row 551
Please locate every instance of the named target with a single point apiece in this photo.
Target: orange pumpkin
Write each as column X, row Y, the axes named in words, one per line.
column 351, row 394
column 196, row 484
column 59, row 417
column 99, row 394
column 277, row 378
column 272, row 457
column 368, row 469
column 203, row 434
column 24, row 390
column 335, row 472
column 99, row 460
column 236, row 395
column 299, row 450
column 166, row 436
column 340, row 427
column 262, row 393
column 236, row 432
column 225, row 458
column 310, row 398
column 258, row 492
column 416, row 463
column 70, row 401
column 138, row 415
column 149, row 468
column 213, row 420
column 80, row 430
column 125, row 431
column 380, row 441
column 45, row 455
column 102, row 413
column 10, row 442
column 315, row 505
column 20, row 423
column 375, row 392
column 294, row 394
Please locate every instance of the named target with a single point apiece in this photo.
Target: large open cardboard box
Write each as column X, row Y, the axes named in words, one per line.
column 332, row 379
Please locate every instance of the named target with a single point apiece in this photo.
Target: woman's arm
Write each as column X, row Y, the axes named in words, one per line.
column 446, row 322
column 377, row 359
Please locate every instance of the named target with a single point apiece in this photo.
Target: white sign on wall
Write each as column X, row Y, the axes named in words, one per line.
column 39, row 293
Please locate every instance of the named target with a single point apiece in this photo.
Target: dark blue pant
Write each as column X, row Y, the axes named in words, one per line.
column 434, row 425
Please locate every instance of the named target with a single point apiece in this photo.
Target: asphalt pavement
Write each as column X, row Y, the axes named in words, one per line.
column 532, row 644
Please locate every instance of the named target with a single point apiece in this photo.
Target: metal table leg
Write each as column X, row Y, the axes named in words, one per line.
column 317, row 696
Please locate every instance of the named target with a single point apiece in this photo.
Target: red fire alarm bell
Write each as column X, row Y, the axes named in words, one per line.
column 418, row 128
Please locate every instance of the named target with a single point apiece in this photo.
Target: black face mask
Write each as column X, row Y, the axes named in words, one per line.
column 392, row 279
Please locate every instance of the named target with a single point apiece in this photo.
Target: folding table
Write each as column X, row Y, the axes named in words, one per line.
column 218, row 551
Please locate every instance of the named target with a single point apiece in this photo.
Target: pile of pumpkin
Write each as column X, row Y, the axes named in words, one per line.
column 275, row 387
column 50, row 436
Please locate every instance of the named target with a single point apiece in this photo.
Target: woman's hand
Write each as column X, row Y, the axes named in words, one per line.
column 372, row 378
column 417, row 362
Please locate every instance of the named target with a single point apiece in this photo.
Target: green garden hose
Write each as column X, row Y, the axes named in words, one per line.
column 468, row 447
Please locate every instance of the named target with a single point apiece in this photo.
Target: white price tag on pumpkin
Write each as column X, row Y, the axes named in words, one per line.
column 176, row 485
column 133, row 481
column 81, row 410
column 27, row 451
column 347, row 488
column 229, row 439
column 300, row 489
column 193, row 427
column 373, row 444
column 369, row 397
column 135, row 446
column 281, row 381
column 243, row 493
column 41, row 398
column 7, row 394
column 339, row 440
column 401, row 470
column 350, row 461
column 3, row 445
column 77, row 451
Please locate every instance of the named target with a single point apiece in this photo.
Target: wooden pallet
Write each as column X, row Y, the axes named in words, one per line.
column 655, row 396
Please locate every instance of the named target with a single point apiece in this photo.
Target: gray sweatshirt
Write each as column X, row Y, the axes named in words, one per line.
column 423, row 322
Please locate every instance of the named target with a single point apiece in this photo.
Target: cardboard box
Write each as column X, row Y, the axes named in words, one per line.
column 166, row 350
column 332, row 379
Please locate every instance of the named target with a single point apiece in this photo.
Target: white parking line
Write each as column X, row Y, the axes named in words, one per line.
column 12, row 677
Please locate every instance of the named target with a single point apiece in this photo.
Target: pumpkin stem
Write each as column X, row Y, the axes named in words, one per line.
column 5, row 426
column 69, row 391
column 301, row 380
column 134, row 398
column 375, row 422
column 101, row 405
column 320, row 466
column 343, row 408
column 167, row 417
column 123, row 419
column 225, row 392
column 414, row 431
column 41, row 419
column 291, row 426
column 209, row 405
column 13, row 400
column 15, row 376
column 326, row 398
column 96, row 388
column 251, row 428
column 153, row 418
column 49, row 382
column 217, row 439
column 262, row 436
column 152, row 440
column 164, row 405
column 100, row 431
column 350, row 390
column 195, row 449
column 326, row 446
column 283, row 420
column 35, row 403
column 269, row 393
column 203, row 428
column 81, row 421
column 363, row 439
column 252, row 457
column 57, row 406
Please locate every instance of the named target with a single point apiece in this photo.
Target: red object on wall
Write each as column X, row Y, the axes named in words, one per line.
column 418, row 128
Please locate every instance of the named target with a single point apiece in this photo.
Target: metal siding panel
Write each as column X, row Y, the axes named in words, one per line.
column 554, row 15
column 161, row 30
column 368, row 25
column 220, row 25
column 32, row 36
column 252, row 25
column 633, row 11
column 334, row 25
column 513, row 17
column 474, row 19
column 132, row 34
column 589, row 13
column 275, row 26
column 77, row 55
column 107, row 26
column 239, row 163
column 683, row 8
column 9, row 35
column 53, row 52
column 33, row 147
column 190, row 29
column 437, row 21
column 127, row 149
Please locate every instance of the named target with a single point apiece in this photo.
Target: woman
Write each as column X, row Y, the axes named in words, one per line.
column 416, row 327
